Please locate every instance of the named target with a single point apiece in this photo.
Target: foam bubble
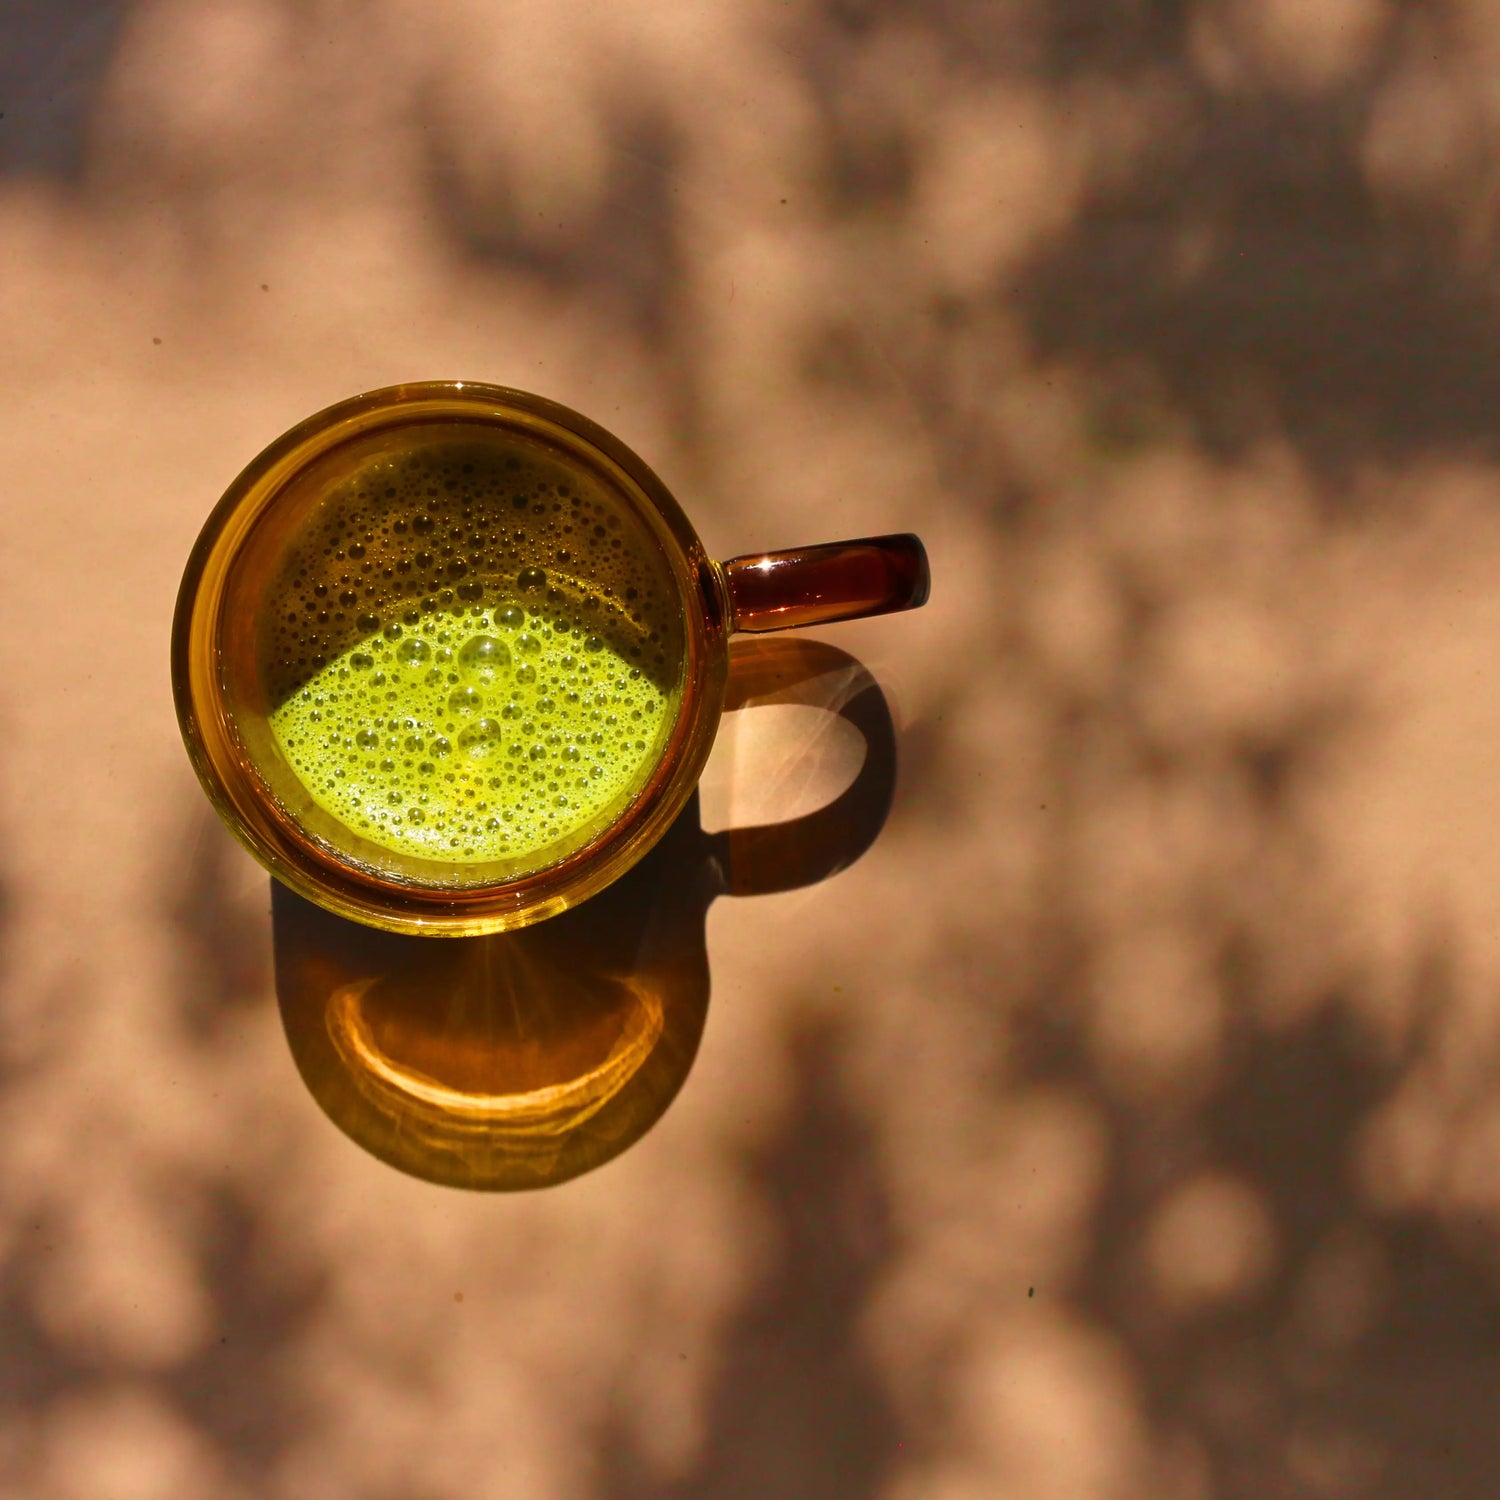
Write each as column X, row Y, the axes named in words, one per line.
column 483, row 658
column 480, row 739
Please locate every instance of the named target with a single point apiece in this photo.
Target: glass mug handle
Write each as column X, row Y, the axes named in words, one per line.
column 875, row 575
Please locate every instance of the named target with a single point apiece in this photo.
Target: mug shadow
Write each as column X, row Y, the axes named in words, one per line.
column 525, row 1058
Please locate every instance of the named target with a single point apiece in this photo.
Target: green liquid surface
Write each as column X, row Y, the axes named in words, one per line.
column 470, row 659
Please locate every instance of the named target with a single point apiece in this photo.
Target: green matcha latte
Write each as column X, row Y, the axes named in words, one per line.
column 471, row 653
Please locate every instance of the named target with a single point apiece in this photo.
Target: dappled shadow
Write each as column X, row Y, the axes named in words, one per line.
column 1290, row 1338
column 234, row 1403
column 1248, row 273
column 624, row 259
column 797, row 1408
column 54, row 58
column 242, row 1389
column 1139, row 1158
column 221, row 1398
column 1248, row 278
column 223, row 946
column 626, row 256
column 1278, row 245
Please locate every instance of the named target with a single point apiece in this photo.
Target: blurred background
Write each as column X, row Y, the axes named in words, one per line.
column 1125, row 1124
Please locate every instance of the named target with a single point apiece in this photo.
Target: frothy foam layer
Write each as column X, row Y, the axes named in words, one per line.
column 471, row 655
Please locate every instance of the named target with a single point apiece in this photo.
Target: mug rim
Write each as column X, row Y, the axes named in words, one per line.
column 318, row 870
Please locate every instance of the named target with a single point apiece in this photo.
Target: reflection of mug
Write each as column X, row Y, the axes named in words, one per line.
column 448, row 658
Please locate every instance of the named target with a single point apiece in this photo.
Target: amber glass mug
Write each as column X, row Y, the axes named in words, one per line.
column 448, row 658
